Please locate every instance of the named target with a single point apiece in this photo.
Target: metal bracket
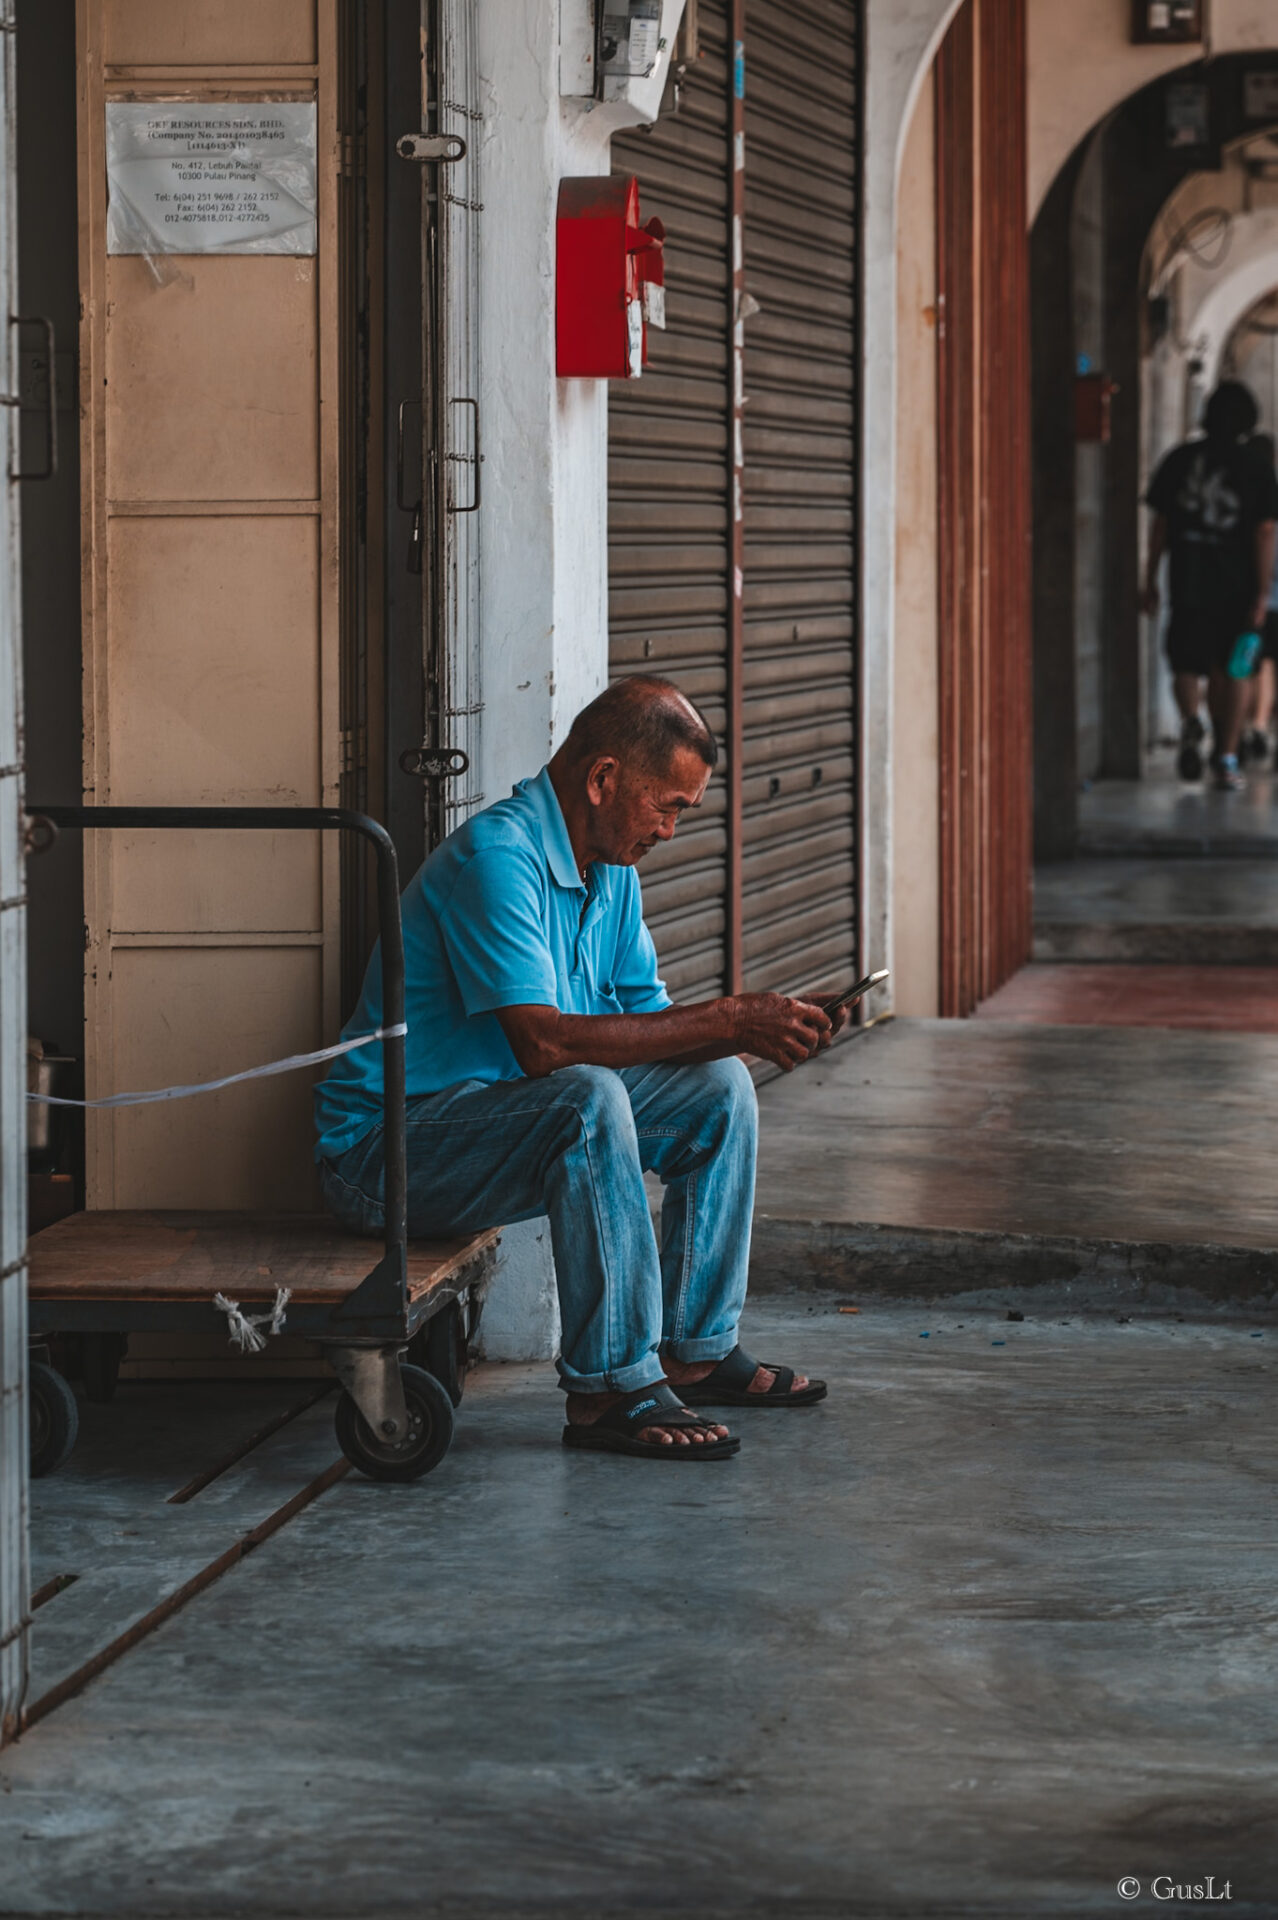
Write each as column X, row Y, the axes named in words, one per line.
column 372, row 1378
column 434, row 763
column 446, row 149
column 379, row 1301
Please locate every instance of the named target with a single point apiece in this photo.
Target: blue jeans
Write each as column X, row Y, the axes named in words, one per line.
column 575, row 1146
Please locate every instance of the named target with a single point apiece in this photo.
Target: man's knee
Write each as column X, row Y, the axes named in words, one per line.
column 728, row 1090
column 598, row 1097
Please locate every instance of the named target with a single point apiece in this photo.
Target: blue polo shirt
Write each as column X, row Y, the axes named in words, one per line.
column 499, row 916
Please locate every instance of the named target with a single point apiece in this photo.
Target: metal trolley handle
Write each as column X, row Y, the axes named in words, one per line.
column 385, row 1291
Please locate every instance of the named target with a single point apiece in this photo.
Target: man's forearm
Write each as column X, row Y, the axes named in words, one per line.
column 707, row 1031
column 1154, row 555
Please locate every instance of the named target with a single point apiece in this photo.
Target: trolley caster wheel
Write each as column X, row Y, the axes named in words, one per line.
column 445, row 1349
column 430, row 1431
column 100, row 1357
column 55, row 1419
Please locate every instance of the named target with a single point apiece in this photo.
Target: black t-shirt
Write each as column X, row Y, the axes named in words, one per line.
column 1213, row 498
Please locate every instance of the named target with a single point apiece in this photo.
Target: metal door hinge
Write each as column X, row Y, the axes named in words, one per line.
column 354, row 744
column 446, row 148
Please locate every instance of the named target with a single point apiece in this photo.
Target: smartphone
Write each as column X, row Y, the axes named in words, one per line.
column 855, row 993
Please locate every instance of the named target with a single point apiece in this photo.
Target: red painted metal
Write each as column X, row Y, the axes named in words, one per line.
column 604, row 260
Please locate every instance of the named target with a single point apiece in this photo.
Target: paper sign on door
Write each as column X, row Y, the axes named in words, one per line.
column 211, row 177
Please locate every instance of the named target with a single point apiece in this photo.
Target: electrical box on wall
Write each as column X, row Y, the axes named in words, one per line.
column 1093, row 395
column 1154, row 21
column 627, row 40
column 609, row 279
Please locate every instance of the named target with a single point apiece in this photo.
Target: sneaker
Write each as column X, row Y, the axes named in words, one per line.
column 1254, row 747
column 1189, row 763
column 1228, row 778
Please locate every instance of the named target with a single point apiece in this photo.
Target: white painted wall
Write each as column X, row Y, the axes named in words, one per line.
column 901, row 41
column 916, row 854
column 544, row 552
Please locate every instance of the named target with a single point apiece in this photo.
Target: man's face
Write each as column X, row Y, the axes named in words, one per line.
column 633, row 810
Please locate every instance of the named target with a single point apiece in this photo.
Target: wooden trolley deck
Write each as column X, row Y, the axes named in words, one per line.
column 101, row 1258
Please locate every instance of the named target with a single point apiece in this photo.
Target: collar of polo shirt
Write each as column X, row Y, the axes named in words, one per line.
column 560, row 857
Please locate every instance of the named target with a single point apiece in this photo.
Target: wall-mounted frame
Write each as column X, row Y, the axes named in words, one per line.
column 1158, row 21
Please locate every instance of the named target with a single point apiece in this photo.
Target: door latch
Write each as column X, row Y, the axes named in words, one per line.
column 444, row 148
column 434, row 763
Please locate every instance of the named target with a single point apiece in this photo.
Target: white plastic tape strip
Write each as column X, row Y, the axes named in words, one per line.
column 212, row 1086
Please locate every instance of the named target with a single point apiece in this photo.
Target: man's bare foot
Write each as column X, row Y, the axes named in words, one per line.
column 687, row 1373
column 585, row 1408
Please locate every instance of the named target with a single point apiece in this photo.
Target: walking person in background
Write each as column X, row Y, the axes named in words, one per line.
column 1255, row 744
column 1215, row 502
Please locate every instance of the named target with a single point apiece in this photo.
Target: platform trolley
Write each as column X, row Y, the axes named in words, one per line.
column 396, row 1335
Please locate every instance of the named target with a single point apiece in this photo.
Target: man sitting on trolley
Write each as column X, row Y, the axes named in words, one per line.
column 547, row 1071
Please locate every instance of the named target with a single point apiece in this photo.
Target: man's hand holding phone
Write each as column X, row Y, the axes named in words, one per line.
column 789, row 1031
column 838, row 1006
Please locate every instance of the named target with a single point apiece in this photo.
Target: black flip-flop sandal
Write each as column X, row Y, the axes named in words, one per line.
column 729, row 1386
column 617, row 1430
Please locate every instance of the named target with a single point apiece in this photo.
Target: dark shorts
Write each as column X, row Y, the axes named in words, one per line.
column 1201, row 642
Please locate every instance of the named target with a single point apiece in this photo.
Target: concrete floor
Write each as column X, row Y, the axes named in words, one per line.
column 1022, row 1129
column 990, row 1630
column 1180, row 911
column 943, row 1158
column 1163, row 815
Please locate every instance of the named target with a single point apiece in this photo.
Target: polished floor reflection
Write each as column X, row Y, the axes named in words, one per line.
column 1105, row 1133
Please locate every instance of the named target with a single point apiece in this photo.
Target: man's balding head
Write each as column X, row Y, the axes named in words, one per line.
column 643, row 722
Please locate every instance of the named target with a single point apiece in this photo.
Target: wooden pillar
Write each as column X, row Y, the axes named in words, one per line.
column 984, row 504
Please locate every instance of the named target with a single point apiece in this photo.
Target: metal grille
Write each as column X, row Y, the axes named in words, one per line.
column 667, row 493
column 13, row 982
column 801, row 229
column 670, row 551
column 458, row 432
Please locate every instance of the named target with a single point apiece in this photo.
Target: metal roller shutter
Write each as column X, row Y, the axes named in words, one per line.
column 668, row 492
column 801, row 227
column 771, row 902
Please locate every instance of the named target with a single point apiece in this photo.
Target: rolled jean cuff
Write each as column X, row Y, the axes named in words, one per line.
column 688, row 1352
column 644, row 1373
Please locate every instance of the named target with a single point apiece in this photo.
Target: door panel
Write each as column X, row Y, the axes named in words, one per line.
column 210, row 486
column 151, row 33
column 203, row 402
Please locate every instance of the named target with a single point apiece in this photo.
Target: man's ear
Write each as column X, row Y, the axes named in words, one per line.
column 601, row 778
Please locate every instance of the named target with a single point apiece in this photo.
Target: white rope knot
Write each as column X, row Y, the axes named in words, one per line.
column 242, row 1328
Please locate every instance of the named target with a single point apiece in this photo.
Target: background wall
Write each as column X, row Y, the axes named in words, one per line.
column 1082, row 63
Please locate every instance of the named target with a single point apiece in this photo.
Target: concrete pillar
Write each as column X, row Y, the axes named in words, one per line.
column 544, row 538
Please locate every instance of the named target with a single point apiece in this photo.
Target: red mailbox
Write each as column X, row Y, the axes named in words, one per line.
column 610, row 279
column 1093, row 395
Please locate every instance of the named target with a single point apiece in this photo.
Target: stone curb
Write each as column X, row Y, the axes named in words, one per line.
column 983, row 1268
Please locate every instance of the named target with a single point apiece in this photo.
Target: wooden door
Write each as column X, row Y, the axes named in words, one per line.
column 210, row 593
